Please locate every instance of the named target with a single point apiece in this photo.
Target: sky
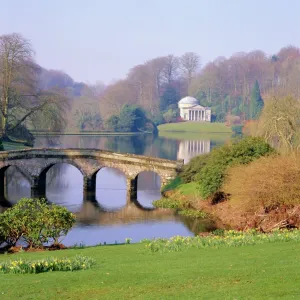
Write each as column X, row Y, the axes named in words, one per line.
column 100, row 40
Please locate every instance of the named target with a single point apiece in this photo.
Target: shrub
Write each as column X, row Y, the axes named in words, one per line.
column 192, row 213
column 173, row 184
column 172, row 203
column 35, row 222
column 193, row 167
column 237, row 129
column 266, row 183
column 211, row 175
column 46, row 265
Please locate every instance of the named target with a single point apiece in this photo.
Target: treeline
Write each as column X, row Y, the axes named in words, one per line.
column 226, row 85
column 35, row 98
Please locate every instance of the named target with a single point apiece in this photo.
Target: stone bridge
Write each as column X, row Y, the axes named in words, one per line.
column 34, row 164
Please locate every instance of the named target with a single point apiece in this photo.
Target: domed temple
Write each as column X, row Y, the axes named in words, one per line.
column 191, row 110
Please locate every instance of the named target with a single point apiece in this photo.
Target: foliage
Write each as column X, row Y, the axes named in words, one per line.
column 170, row 115
column 35, row 222
column 193, row 167
column 88, row 120
column 256, row 102
column 49, row 264
column 172, row 184
column 172, row 203
column 265, row 184
column 230, row 238
column 169, row 97
column 279, row 123
column 211, row 176
column 237, row 129
column 22, row 101
column 192, row 213
column 158, row 118
column 132, row 118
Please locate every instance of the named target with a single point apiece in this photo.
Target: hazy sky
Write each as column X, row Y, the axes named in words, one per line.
column 102, row 39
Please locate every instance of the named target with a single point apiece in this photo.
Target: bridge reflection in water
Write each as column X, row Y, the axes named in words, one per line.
column 191, row 148
column 105, row 215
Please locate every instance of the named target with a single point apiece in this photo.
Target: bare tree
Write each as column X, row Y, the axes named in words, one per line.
column 170, row 71
column 279, row 123
column 189, row 63
column 20, row 97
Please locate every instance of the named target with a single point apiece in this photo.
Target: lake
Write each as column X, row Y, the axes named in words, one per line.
column 108, row 218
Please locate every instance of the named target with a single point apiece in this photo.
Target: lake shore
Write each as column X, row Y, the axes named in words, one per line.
column 195, row 127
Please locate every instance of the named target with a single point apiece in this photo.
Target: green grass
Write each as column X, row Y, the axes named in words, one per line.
column 196, row 127
column 265, row 271
column 189, row 189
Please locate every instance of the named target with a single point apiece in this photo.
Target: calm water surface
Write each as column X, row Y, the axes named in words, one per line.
column 108, row 218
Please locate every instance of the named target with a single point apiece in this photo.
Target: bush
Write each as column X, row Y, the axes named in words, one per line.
column 36, row 222
column 193, row 167
column 172, row 203
column 265, row 184
column 211, row 175
column 46, row 265
column 237, row 129
column 173, row 184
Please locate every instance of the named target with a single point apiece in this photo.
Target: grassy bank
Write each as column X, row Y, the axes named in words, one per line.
column 265, row 271
column 196, row 127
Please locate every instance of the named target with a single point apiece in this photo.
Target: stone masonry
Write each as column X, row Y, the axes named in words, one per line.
column 34, row 164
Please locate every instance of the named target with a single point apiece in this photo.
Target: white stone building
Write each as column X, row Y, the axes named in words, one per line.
column 191, row 110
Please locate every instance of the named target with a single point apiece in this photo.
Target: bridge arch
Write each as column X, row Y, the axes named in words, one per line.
column 4, row 178
column 40, row 181
column 110, row 187
column 46, row 168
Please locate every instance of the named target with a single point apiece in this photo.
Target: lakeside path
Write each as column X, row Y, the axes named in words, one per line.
column 265, row 271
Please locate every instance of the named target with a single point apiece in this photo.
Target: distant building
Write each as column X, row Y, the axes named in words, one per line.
column 191, row 110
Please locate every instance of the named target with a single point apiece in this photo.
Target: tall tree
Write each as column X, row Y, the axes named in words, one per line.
column 189, row 63
column 20, row 98
column 256, row 102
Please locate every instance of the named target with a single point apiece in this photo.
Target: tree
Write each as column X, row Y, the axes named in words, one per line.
column 169, row 116
column 20, row 98
column 189, row 63
column 256, row 102
column 279, row 123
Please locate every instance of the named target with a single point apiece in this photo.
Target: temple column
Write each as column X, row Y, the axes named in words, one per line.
column 131, row 184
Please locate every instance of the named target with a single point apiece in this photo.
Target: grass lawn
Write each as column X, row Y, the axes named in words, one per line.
column 196, row 127
column 265, row 271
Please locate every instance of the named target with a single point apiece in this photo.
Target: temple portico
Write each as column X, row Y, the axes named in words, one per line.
column 190, row 110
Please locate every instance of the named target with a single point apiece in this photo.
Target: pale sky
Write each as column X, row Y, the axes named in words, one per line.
column 101, row 40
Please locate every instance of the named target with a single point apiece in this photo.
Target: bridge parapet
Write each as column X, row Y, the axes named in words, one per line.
column 35, row 163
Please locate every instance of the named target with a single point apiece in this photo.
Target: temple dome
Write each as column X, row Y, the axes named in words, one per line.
column 189, row 100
